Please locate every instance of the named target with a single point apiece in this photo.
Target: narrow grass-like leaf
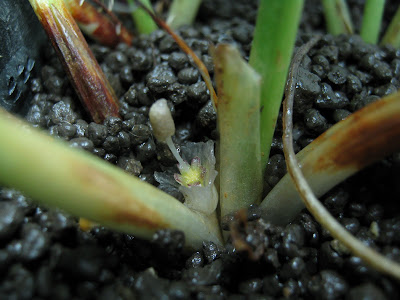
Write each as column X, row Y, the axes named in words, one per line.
column 238, row 124
column 273, row 43
column 143, row 22
column 102, row 26
column 320, row 213
column 364, row 137
column 392, row 34
column 182, row 12
column 337, row 17
column 372, row 18
column 85, row 74
column 56, row 175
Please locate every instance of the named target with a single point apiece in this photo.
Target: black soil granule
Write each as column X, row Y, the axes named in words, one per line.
column 44, row 254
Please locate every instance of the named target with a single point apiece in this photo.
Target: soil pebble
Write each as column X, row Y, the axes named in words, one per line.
column 45, row 255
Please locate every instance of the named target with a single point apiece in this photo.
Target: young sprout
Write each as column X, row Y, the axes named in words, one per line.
column 143, row 22
column 196, row 179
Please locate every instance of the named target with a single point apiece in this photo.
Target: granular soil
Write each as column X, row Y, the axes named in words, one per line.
column 44, row 254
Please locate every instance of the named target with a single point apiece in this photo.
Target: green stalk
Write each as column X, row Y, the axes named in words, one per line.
column 182, row 12
column 273, row 43
column 337, row 17
column 366, row 136
column 56, row 175
column 370, row 256
column 238, row 124
column 143, row 22
column 392, row 35
column 371, row 24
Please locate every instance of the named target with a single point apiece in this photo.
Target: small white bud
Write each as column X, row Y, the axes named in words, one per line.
column 161, row 120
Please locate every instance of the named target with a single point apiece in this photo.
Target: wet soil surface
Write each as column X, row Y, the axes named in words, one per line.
column 44, row 254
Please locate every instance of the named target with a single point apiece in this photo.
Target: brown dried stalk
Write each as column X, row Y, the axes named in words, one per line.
column 367, row 152
column 86, row 76
column 189, row 52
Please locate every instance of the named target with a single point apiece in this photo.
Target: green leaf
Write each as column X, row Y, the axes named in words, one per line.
column 182, row 12
column 238, row 124
column 372, row 19
column 84, row 185
column 392, row 35
column 337, row 17
column 270, row 56
column 143, row 22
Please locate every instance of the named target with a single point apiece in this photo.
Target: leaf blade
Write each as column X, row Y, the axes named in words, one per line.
column 239, row 128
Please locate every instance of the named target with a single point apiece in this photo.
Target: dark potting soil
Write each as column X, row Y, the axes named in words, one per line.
column 44, row 254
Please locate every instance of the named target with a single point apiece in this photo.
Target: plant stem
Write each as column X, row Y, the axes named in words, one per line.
column 143, row 21
column 319, row 212
column 273, row 43
column 182, row 12
column 337, row 17
column 238, row 125
column 392, row 34
column 364, row 137
column 89, row 81
column 56, row 175
column 371, row 24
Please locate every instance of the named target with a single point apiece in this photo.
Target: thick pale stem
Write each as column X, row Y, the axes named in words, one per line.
column 364, row 137
column 54, row 174
column 239, row 128
column 320, row 213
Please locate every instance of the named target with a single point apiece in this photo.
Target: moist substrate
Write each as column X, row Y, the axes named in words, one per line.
column 44, row 254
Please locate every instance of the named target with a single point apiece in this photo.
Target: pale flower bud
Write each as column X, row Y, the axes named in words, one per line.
column 161, row 120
